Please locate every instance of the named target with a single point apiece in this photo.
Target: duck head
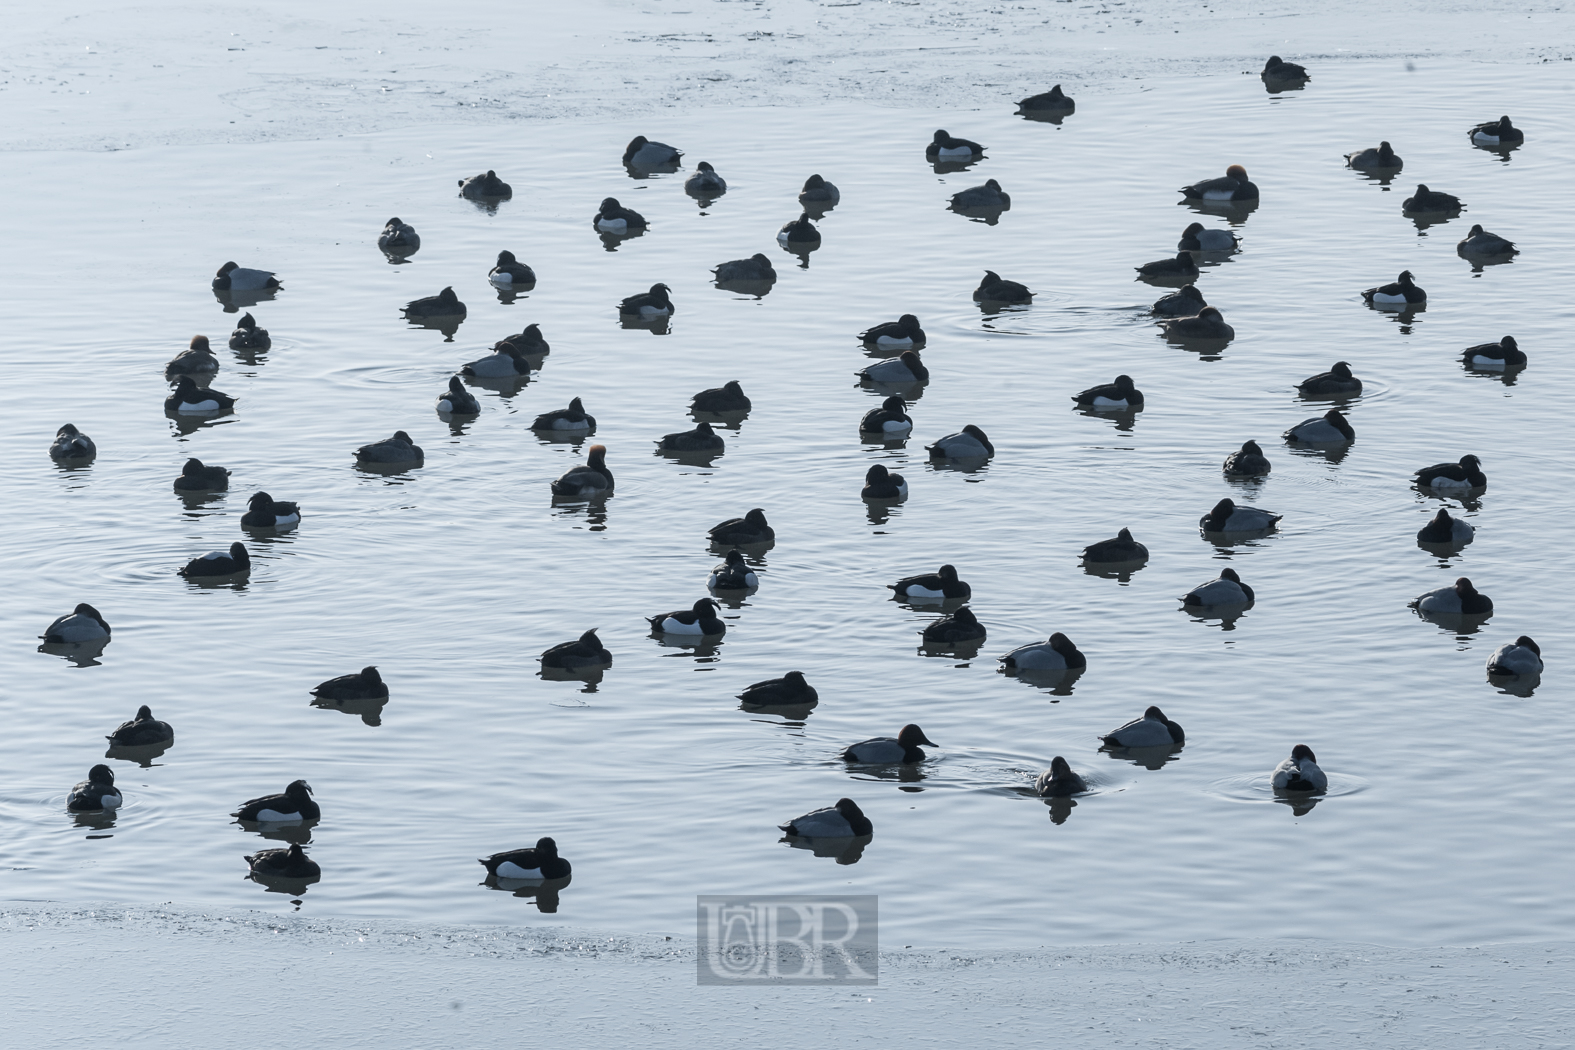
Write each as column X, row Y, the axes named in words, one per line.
column 912, row 736
column 400, row 435
column 298, row 790
column 1230, row 574
column 199, row 342
column 948, row 573
column 1251, row 448
column 756, row 517
column 1237, row 172
column 144, row 713
column 370, row 674
column 546, row 847
column 895, row 404
column 506, row 258
column 1301, row 753
column 915, row 365
column 239, row 553
column 1062, row 644
column 814, row 182
column 978, row 435
column 101, row 774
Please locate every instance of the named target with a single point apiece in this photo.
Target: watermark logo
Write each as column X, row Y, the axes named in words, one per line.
column 787, row 939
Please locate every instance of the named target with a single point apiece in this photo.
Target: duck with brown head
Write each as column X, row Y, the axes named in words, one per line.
column 588, row 480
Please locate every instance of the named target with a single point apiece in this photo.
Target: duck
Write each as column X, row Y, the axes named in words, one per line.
column 1059, row 781
column 1520, row 657
column 1381, row 157
column 82, row 624
column 247, row 336
column 1209, row 323
column 1462, row 599
column 953, row 628
column 906, row 368
column 942, row 585
column 398, row 236
column 290, row 863
column 1199, row 238
column 484, row 187
column 1403, row 292
column 755, row 268
column 217, row 563
column 510, row 271
column 588, row 479
column 646, row 305
column 880, row 483
column 1498, row 132
column 233, row 278
column 613, row 217
column 188, row 400
column 1505, row 353
column 197, row 359
column 396, row 449
column 1119, row 394
column 1224, row 589
column 643, row 153
column 539, row 862
column 1182, row 265
column 443, row 304
column 843, row 820
column 585, row 651
column 1338, row 381
column 1481, row 242
column 294, row 806
column 1465, row 474
column 729, row 397
column 505, row 360
column 1183, row 302
column 990, row 195
column 701, row 439
column 197, row 476
column 789, row 690
column 456, row 400
column 1300, row 772
column 71, row 444
column 701, row 619
column 752, row 528
column 1329, row 428
column 819, row 192
column 1228, row 517
column 889, row 751
column 530, row 342
column 944, row 147
column 1056, row 654
column 1426, row 200
column 1247, row 461
column 1442, row 528
column 705, row 182
column 891, row 419
column 1052, row 99
column 1277, row 68
column 97, row 793
column 142, row 731
column 903, row 333
column 993, row 289
column 969, row 443
column 365, row 684
column 733, row 574
column 1119, row 548
column 265, row 512
column 1152, row 730
column 1232, row 186
column 799, row 233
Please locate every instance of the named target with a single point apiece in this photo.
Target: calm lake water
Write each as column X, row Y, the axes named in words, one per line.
column 1449, row 820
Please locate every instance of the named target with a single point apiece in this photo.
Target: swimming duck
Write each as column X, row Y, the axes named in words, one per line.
column 189, row 401
column 398, row 237
column 1466, row 474
column 1119, row 548
column 1182, row 265
column 945, row 147
column 1199, row 238
column 613, row 217
column 585, row 651
column 1059, row 781
column 733, row 574
column 643, row 153
column 729, row 397
column 990, row 195
column 196, row 476
column 701, row 619
column 82, row 624
column 1520, row 657
column 903, row 333
column 443, row 304
column 1247, row 461
column 456, row 400
column 1057, row 654
column 197, row 359
column 233, row 278
column 843, row 820
column 1228, row 517
column 1442, row 528
column 529, row 342
column 1498, row 132
column 485, row 187
column 1401, row 293
column 365, row 684
column 217, row 563
column 755, row 268
column 1225, row 589
column 1300, row 772
column 1152, row 730
column 1481, row 242
column 265, row 512
column 941, row 585
column 1426, row 200
column 95, row 794
column 294, row 806
column 646, row 305
column 1120, row 394
column 960, row 626
column 510, row 271
column 290, row 863
column 752, row 528
column 71, row 444
column 1462, row 599
column 1052, row 99
column 1183, row 302
column 396, row 449
column 970, row 443
column 1277, row 68
column 1329, row 428
column 819, row 192
column 891, row 419
column 880, row 483
column 1232, row 186
column 992, row 289
column 141, row 731
column 247, row 336
column 789, row 690
column 884, row 750
column 701, row 439
column 705, row 182
column 588, row 479
column 1374, row 158
column 505, row 360
column 1209, row 323
column 904, row 369
column 1338, row 381
column 799, row 233
column 1505, row 353
column 540, row 862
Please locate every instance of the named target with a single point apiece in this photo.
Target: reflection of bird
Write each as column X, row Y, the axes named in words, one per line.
column 538, row 862
column 1247, row 461
column 701, row 619
column 1225, row 589
column 70, row 443
column 265, row 512
column 890, row 419
column 960, row 626
column 791, row 689
column 843, row 820
column 1442, row 528
column 1466, row 474
column 365, row 684
column 733, row 574
column 396, row 449
column 456, row 400
column 1232, row 186
column 1152, row 730
column 1329, row 428
column 1059, row 781
column 234, row 278
column 1374, row 158
column 141, row 731
column 818, row 191
column 585, row 651
column 1520, row 657
column 588, row 479
column 729, row 397
column 217, row 563
column 701, row 439
column 291, row 863
column 903, row 333
column 1463, row 599
column 1338, row 380
column 510, row 271
column 1402, row 291
column 969, row 443
column 705, row 182
column 1503, row 354
column 1300, row 772
column 1276, row 68
column 948, row 147
column 643, row 153
column 1228, row 517
column 1480, row 242
column 1426, row 200
column 741, row 532
column 1057, row 654
column 880, row 483
column 481, row 187
column 942, row 584
column 82, row 624
column 292, row 806
column 573, row 418
column 885, row 750
column 1498, row 132
column 1119, row 548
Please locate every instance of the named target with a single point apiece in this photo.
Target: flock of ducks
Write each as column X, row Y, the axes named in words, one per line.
column 1183, row 313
